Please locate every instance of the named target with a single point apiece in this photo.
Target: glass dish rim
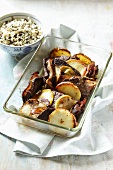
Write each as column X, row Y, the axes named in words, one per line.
column 88, row 103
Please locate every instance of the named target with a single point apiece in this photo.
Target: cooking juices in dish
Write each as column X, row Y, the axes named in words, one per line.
column 60, row 95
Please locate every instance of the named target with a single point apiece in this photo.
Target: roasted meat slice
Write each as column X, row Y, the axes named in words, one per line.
column 78, row 108
column 35, row 84
column 92, row 70
column 45, row 114
column 84, row 84
column 49, row 73
column 46, row 73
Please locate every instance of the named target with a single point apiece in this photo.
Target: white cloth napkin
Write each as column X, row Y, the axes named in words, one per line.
column 95, row 137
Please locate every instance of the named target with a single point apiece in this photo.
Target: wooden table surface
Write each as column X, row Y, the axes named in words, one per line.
column 93, row 21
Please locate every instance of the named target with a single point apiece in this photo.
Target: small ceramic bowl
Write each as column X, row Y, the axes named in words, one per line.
column 21, row 51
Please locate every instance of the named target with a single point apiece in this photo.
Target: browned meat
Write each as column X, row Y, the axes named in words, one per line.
column 92, row 70
column 34, row 85
column 84, row 84
column 51, row 70
column 46, row 74
column 45, row 115
column 79, row 107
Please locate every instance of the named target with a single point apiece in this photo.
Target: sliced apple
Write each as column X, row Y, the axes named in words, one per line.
column 62, row 117
column 85, row 59
column 32, row 108
column 45, row 94
column 69, row 89
column 58, row 73
column 67, row 70
column 25, row 109
column 78, row 65
column 57, row 52
column 65, row 102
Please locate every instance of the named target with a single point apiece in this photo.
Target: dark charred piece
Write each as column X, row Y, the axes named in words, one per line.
column 78, row 108
column 59, row 62
column 92, row 70
column 35, row 84
column 46, row 74
column 49, row 73
column 44, row 115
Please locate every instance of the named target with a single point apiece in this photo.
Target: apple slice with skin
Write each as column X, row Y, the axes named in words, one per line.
column 69, row 89
column 57, row 52
column 78, row 65
column 85, row 59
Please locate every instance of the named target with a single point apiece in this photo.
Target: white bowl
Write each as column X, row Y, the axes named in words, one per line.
column 21, row 51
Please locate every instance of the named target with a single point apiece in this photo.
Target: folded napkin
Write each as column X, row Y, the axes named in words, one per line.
column 96, row 135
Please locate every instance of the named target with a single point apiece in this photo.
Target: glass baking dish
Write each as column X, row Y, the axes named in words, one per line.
column 14, row 101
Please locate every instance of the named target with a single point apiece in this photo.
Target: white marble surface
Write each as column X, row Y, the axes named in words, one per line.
column 93, row 20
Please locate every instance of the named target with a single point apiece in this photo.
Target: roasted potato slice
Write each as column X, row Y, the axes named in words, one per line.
column 62, row 117
column 69, row 89
column 44, row 95
column 65, row 102
column 57, row 52
column 83, row 58
column 78, row 65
